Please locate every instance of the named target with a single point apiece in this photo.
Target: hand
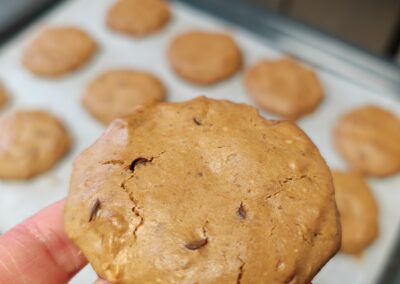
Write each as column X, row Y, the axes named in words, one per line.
column 37, row 251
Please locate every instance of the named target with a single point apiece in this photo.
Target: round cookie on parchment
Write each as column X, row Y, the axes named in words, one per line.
column 368, row 138
column 3, row 95
column 203, row 191
column 119, row 92
column 31, row 142
column 204, row 57
column 138, row 17
column 358, row 211
column 58, row 50
column 284, row 87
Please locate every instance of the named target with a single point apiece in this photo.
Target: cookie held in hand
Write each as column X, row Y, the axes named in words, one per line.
column 203, row 191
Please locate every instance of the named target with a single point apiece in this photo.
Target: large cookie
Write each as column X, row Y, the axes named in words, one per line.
column 204, row 57
column 284, row 87
column 31, row 142
column 358, row 211
column 3, row 95
column 369, row 139
column 56, row 51
column 138, row 17
column 119, row 92
column 203, row 192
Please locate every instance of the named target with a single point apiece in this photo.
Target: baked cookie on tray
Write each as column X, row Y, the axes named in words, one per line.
column 203, row 191
column 31, row 142
column 3, row 95
column 138, row 17
column 358, row 211
column 368, row 138
column 119, row 92
column 58, row 50
column 204, row 57
column 284, row 87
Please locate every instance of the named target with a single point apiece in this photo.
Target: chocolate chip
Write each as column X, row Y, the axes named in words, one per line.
column 196, row 244
column 200, row 174
column 139, row 161
column 242, row 211
column 196, row 121
column 95, row 208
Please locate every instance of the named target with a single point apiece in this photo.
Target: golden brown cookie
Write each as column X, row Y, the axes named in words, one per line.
column 119, row 92
column 203, row 191
column 369, row 139
column 57, row 51
column 3, row 95
column 138, row 17
column 284, row 87
column 31, row 142
column 204, row 57
column 358, row 211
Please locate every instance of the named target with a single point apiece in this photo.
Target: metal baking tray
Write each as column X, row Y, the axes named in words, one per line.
column 350, row 76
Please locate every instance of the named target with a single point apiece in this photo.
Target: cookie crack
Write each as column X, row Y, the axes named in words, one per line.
column 274, row 194
column 272, row 231
column 305, row 239
column 113, row 162
column 134, row 208
column 123, row 185
column 143, row 161
column 292, row 179
column 241, row 271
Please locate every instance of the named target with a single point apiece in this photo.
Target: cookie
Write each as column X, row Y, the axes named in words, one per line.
column 203, row 191
column 204, row 57
column 368, row 138
column 138, row 17
column 119, row 92
column 3, row 95
column 284, row 87
column 358, row 211
column 31, row 142
column 57, row 51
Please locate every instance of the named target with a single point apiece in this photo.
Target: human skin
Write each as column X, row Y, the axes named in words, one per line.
column 37, row 251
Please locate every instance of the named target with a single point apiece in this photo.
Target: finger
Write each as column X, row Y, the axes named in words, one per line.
column 38, row 252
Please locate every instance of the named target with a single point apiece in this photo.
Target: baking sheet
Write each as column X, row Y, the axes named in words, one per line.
column 62, row 96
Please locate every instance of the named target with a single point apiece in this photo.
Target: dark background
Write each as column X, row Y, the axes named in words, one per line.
column 371, row 24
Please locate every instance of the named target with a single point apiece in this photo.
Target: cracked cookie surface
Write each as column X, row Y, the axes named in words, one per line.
column 31, row 142
column 204, row 191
